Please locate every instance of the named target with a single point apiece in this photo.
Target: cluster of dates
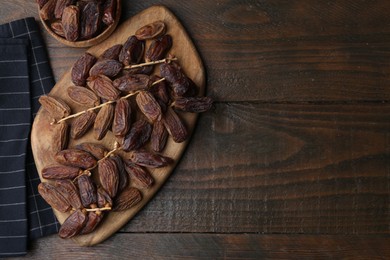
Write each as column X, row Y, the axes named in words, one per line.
column 78, row 19
column 140, row 109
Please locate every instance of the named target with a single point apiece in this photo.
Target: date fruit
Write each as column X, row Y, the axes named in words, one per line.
column 83, row 96
column 127, row 199
column 103, row 121
column 139, row 175
column 80, row 70
column 60, row 172
column 159, row 137
column 73, row 224
column 54, row 198
column 149, row 160
column 132, row 51
column 129, row 83
column 70, row 192
column 75, row 158
column 82, row 124
column 175, row 126
column 108, row 176
column 138, row 136
column 149, row 106
column 109, row 68
column 103, row 87
column 87, row 191
column 56, row 107
column 122, row 118
column 150, row 31
column 71, row 23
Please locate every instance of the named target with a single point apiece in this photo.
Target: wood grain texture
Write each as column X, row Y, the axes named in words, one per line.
column 43, row 132
column 208, row 246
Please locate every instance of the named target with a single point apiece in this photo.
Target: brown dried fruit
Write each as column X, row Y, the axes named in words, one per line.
column 108, row 176
column 109, row 68
column 80, row 69
column 90, row 20
column 129, row 83
column 132, row 51
column 122, row 118
column 73, row 224
column 70, row 192
column 70, row 23
column 160, row 92
column 57, row 28
column 150, row 31
column 138, row 136
column 112, row 53
column 47, row 11
column 149, row 106
column 87, row 190
column 127, row 199
column 97, row 150
column 103, row 199
column 159, row 137
column 181, row 85
column 103, row 121
column 56, row 107
column 103, row 87
column 51, row 195
column 60, row 6
column 75, row 158
column 193, row 104
column 175, row 126
column 149, row 160
column 60, row 172
column 93, row 221
column 109, row 12
column 123, row 179
column 83, row 96
column 139, row 175
column 82, row 124
column 60, row 137
column 158, row 48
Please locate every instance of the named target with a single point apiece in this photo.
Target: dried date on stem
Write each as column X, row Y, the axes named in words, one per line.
column 112, row 53
column 149, row 106
column 56, row 107
column 139, row 175
column 122, row 118
column 129, row 83
column 103, row 121
column 87, row 191
column 54, row 198
column 150, row 31
column 160, row 92
column 73, row 224
column 75, row 158
column 138, row 136
column 103, row 199
column 94, row 219
column 83, row 96
column 159, row 137
column 80, row 70
column 71, row 23
column 103, row 87
column 90, row 20
column 47, row 11
column 132, row 51
column 193, row 104
column 60, row 6
column 149, row 160
column 60, row 172
column 97, row 150
column 82, row 124
column 109, row 68
column 108, row 176
column 70, row 192
column 123, row 179
column 181, row 85
column 127, row 199
column 175, row 126
column 158, row 48
column 109, row 12
column 60, row 137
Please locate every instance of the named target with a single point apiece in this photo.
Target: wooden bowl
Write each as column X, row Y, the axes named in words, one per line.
column 90, row 42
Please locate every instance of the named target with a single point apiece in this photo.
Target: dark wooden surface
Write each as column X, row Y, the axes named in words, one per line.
column 294, row 161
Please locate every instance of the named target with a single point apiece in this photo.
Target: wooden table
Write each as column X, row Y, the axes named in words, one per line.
column 294, row 161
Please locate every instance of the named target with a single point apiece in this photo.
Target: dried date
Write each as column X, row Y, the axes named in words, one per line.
column 70, row 192
column 109, row 12
column 129, row 83
column 160, row 92
column 60, row 136
column 60, row 172
column 150, row 31
column 56, row 107
column 54, row 198
column 138, row 136
column 80, row 69
column 132, row 51
column 112, row 53
column 83, row 96
column 75, row 158
column 193, row 104
column 60, row 6
column 103, row 199
column 103, row 87
column 181, row 85
column 103, row 121
column 108, row 176
column 127, row 199
column 57, row 28
column 97, row 150
column 139, row 175
column 122, row 174
column 71, row 23
column 122, row 118
column 90, row 20
column 149, row 160
column 175, row 126
column 82, row 124
column 94, row 219
column 47, row 11
column 109, row 68
column 159, row 136
column 149, row 106
column 158, row 48
column 73, row 224
column 87, row 191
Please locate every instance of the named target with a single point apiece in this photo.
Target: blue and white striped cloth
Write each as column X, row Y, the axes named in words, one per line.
column 25, row 75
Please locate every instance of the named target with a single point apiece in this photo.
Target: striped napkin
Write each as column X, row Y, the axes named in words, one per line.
column 25, row 75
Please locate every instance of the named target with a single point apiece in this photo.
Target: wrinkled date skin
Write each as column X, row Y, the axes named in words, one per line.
column 109, row 68
column 193, row 104
column 127, row 199
column 175, row 126
column 73, row 224
column 80, row 70
column 160, row 92
column 109, row 9
column 97, row 150
column 75, row 158
column 82, row 124
column 94, row 219
column 70, row 192
column 83, row 96
column 132, row 51
column 54, row 198
column 103, row 121
column 129, row 83
column 182, row 86
column 138, row 136
column 159, row 137
column 60, row 137
column 150, row 31
column 122, row 174
column 149, row 160
column 103, row 199
column 158, row 48
column 71, row 23
column 108, row 176
column 103, row 87
column 56, row 107
column 56, row 26
column 60, row 6
column 149, row 106
column 87, row 191
column 112, row 53
column 47, row 10
column 90, row 20
column 60, row 172
column 122, row 118
column 140, row 175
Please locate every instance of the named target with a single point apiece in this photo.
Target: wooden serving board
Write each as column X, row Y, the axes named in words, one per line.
column 42, row 136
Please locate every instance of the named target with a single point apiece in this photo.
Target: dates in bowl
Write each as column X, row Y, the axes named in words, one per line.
column 79, row 23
